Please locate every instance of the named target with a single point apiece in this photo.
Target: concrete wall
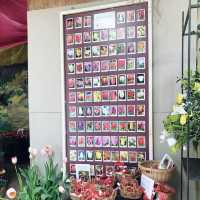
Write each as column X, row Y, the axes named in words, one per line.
column 45, row 74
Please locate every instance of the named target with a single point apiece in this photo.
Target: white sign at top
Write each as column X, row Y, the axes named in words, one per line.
column 104, row 20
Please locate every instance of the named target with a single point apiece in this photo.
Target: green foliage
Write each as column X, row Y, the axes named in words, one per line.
column 191, row 104
column 34, row 186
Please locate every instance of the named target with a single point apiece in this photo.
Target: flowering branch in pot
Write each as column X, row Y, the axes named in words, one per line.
column 186, row 110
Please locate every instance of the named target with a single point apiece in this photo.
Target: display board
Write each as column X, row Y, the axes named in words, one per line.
column 107, row 77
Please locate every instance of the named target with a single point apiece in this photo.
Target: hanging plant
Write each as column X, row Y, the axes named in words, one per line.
column 186, row 110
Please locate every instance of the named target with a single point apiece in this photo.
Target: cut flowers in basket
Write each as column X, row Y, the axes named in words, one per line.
column 186, row 110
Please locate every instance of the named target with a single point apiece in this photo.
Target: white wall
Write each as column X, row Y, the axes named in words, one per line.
column 45, row 73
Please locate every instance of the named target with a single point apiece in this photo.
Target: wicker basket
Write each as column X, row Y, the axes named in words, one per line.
column 130, row 195
column 148, row 168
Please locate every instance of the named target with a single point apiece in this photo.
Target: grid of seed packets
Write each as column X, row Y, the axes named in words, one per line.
column 107, row 88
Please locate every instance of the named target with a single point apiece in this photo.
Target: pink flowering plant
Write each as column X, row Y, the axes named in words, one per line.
column 34, row 185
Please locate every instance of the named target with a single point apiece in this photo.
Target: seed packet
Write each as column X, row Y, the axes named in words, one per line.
column 113, row 110
column 113, row 80
column 99, row 170
column 123, row 141
column 113, row 95
column 114, row 126
column 131, row 64
column 88, row 82
column 140, row 79
column 130, row 94
column 113, row 65
column 121, row 79
column 120, row 33
column 104, row 35
column 72, row 141
column 97, row 126
column 141, row 156
column 70, row 39
column 121, row 64
column 130, row 16
column 141, row 63
column 140, row 126
column 96, row 66
column 104, row 50
column 87, row 52
column 140, row 94
column 70, row 54
column 131, row 48
column 121, row 110
column 71, row 83
column 97, row 141
column 78, row 22
column 114, row 141
column 79, row 68
column 141, row 47
column 96, row 51
column 131, row 79
column 121, row 48
column 121, row 17
column 81, row 141
column 88, row 96
column 89, row 141
column 72, row 126
column 80, row 126
column 105, row 110
column 141, row 31
column 132, row 157
column 81, row 111
column 69, row 23
column 95, row 36
column 81, row 155
column 106, row 156
column 88, row 111
column 141, row 110
column 78, row 53
column 89, row 126
column 87, row 21
column 73, row 155
column 72, row 111
column 105, row 95
column 96, row 81
column 80, row 96
column 140, row 15
column 72, row 169
column 104, row 81
column 105, row 126
column 72, row 97
column 112, row 34
column 105, row 65
column 132, row 126
column 87, row 37
column 71, row 68
column 115, row 156
column 97, row 111
column 80, row 83
column 87, row 67
column 98, row 155
column 141, row 142
column 124, row 156
column 132, row 142
column 89, row 156
column 122, row 95
column 106, row 141
column 97, row 96
column 109, row 169
column 122, row 126
column 78, row 38
column 130, row 110
column 112, row 49
column 131, row 32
